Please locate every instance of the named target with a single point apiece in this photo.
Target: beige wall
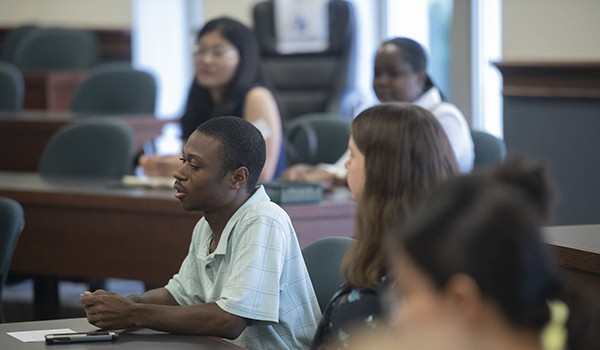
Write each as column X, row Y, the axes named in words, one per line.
column 551, row 30
column 238, row 9
column 71, row 13
column 103, row 13
column 532, row 29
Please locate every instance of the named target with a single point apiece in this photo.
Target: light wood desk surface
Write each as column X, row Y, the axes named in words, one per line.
column 577, row 248
column 24, row 135
column 580, row 237
column 142, row 339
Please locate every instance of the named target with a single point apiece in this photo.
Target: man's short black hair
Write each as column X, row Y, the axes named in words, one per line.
column 242, row 145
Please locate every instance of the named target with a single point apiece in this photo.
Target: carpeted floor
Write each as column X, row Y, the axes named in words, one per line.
column 17, row 299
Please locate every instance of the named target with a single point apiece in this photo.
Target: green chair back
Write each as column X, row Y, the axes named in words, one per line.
column 323, row 259
column 116, row 89
column 317, row 138
column 12, row 220
column 57, row 48
column 489, row 150
column 12, row 87
column 12, row 39
column 96, row 147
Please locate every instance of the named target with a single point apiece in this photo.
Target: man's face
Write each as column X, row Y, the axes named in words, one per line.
column 200, row 183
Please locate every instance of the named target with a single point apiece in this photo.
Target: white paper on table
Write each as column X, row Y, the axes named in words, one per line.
column 33, row 336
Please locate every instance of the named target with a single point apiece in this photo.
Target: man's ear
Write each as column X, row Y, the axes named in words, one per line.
column 239, row 178
column 465, row 297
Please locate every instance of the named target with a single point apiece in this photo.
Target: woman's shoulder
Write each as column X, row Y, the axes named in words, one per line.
column 260, row 103
column 433, row 101
column 447, row 110
column 259, row 92
column 349, row 309
column 350, row 297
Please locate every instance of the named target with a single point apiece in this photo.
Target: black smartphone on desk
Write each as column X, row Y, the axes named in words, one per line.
column 66, row 338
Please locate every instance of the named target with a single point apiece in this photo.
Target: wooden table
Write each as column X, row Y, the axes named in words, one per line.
column 92, row 228
column 24, row 135
column 577, row 248
column 143, row 339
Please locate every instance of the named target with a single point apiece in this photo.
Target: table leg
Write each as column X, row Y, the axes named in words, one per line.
column 46, row 300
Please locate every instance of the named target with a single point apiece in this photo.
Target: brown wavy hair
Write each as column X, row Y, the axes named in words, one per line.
column 406, row 153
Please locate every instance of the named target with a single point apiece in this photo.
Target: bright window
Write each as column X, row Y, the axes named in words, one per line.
column 430, row 23
column 427, row 22
column 487, row 81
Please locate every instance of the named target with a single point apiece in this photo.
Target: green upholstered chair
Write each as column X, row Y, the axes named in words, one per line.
column 489, row 150
column 317, row 138
column 12, row 39
column 56, row 48
column 98, row 147
column 12, row 220
column 94, row 147
column 323, row 260
column 115, row 88
column 12, row 87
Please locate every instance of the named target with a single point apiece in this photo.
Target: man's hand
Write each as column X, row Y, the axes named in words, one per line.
column 108, row 310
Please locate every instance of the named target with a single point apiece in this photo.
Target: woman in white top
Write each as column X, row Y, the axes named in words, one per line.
column 400, row 75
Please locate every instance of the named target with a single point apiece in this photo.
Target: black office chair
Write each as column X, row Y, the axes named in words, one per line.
column 98, row 147
column 489, row 150
column 116, row 88
column 311, row 82
column 12, row 220
column 56, row 48
column 316, row 138
column 12, row 87
column 323, row 259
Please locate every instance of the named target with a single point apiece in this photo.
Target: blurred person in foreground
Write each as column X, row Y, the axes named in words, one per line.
column 471, row 257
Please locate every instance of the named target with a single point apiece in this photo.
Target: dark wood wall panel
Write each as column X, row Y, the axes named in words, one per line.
column 551, row 79
column 552, row 112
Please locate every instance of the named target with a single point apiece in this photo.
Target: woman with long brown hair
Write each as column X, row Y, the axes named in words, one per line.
column 398, row 152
